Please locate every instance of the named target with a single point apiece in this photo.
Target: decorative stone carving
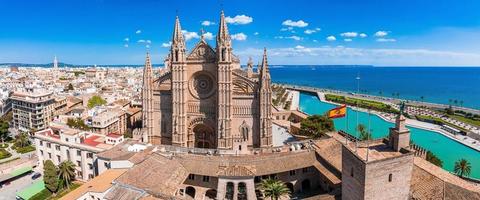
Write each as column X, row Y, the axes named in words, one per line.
column 236, row 170
column 201, row 85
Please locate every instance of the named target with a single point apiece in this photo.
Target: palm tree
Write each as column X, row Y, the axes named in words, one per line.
column 364, row 134
column 21, row 140
column 273, row 189
column 66, row 172
column 462, row 168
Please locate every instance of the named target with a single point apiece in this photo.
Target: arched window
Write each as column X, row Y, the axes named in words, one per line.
column 176, row 55
column 242, row 191
column 244, row 129
column 390, row 176
column 229, row 191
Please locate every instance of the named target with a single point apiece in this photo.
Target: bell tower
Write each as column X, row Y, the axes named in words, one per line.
column 224, row 85
column 179, row 86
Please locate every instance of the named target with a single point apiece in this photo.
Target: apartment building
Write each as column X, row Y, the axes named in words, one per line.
column 32, row 109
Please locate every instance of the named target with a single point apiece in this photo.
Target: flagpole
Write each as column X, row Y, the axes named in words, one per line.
column 346, row 125
column 369, row 132
column 356, row 102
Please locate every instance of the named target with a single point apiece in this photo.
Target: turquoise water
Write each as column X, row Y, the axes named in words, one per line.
column 445, row 148
column 434, row 84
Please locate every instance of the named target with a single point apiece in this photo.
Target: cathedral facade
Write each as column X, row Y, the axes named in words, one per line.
column 203, row 99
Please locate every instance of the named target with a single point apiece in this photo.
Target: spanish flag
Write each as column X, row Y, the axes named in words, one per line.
column 337, row 112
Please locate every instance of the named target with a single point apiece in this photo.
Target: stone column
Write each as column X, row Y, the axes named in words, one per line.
column 250, row 189
column 235, row 190
column 221, row 188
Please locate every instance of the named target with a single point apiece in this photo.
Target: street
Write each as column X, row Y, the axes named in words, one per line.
column 8, row 192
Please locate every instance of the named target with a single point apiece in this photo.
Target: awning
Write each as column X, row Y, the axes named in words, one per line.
column 29, row 192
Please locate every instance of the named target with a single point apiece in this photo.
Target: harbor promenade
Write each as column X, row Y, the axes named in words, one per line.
column 388, row 100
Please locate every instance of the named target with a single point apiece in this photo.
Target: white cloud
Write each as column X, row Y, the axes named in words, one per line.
column 239, row 36
column 167, row 44
column 287, row 28
column 315, row 40
column 207, row 23
column 293, row 37
column 347, row 40
column 318, row 29
column 381, row 33
column 311, row 31
column 380, row 57
column 126, row 39
column 299, row 23
column 141, row 41
column 349, row 34
column 331, row 38
column 138, row 31
column 208, row 36
column 125, row 45
column 147, row 46
column 256, row 33
column 386, row 40
column 363, row 35
column 190, row 35
column 239, row 19
column 148, row 41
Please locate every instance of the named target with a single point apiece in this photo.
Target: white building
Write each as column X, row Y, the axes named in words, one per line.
column 59, row 143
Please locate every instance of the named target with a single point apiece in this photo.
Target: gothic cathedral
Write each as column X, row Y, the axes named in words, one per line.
column 203, row 99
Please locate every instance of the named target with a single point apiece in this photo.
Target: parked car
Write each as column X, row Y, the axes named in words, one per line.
column 36, row 175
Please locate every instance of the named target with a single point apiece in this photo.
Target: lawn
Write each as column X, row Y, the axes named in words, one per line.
column 46, row 194
column 4, row 154
column 374, row 105
column 26, row 149
column 465, row 120
column 438, row 121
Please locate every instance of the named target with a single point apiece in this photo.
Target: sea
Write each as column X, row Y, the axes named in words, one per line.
column 458, row 86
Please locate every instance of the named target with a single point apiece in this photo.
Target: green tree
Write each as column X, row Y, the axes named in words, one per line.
column 21, row 140
column 96, row 101
column 77, row 123
column 66, row 173
column 50, row 176
column 462, row 168
column 273, row 189
column 434, row 159
column 3, row 131
column 316, row 126
column 364, row 134
column 70, row 87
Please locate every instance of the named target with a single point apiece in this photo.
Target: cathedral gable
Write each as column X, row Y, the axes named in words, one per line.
column 202, row 52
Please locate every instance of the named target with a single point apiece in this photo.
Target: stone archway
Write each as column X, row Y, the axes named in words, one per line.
column 204, row 136
column 211, row 194
column 190, row 191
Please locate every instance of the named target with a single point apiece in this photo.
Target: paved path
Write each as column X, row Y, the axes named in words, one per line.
column 295, row 100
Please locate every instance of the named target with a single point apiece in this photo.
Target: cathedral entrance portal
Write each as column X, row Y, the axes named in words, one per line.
column 204, row 136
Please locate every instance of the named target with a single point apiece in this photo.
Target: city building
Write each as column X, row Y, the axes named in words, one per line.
column 204, row 99
column 32, row 109
column 59, row 143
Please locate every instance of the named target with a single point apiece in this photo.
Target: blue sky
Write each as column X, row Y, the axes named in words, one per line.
column 378, row 32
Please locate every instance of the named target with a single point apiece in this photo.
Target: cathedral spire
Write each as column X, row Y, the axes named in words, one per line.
column 265, row 70
column 177, row 50
column 147, row 99
column 177, row 33
column 223, row 36
column 224, row 42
